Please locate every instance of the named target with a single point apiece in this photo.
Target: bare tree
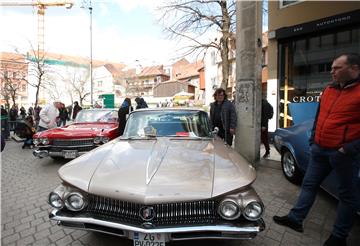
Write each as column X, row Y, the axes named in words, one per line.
column 190, row 19
column 78, row 80
column 39, row 70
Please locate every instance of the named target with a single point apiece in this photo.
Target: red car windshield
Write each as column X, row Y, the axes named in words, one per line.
column 87, row 116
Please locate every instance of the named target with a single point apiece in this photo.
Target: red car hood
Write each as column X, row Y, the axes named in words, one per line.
column 80, row 130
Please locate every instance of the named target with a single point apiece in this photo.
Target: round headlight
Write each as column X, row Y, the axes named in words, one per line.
column 229, row 209
column 97, row 140
column 75, row 202
column 55, row 200
column 105, row 139
column 253, row 211
column 36, row 141
column 45, row 141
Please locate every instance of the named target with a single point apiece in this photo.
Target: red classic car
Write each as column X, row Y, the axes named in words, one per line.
column 91, row 128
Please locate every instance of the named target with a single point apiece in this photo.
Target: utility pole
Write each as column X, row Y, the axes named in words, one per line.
column 248, row 78
column 91, row 60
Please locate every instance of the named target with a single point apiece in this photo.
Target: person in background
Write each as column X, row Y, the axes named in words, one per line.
column 48, row 116
column 223, row 115
column 140, row 103
column 335, row 146
column 267, row 113
column 22, row 112
column 63, row 115
column 13, row 117
column 29, row 131
column 123, row 112
column 31, row 111
column 76, row 109
column 5, row 131
column 37, row 115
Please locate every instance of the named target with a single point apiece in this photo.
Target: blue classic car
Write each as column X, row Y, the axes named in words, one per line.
column 293, row 145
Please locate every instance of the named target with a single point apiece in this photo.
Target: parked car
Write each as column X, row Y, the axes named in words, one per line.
column 293, row 145
column 91, row 128
column 167, row 178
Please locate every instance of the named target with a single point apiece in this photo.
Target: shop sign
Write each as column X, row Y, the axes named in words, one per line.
column 301, row 99
column 321, row 24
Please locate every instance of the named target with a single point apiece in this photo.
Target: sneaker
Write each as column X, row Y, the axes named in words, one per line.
column 266, row 155
column 335, row 241
column 285, row 221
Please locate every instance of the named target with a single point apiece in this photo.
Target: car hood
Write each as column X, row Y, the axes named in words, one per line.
column 161, row 170
column 78, row 130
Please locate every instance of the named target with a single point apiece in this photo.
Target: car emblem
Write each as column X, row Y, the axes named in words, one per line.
column 147, row 213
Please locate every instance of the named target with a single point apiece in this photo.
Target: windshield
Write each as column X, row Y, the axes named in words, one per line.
column 86, row 116
column 168, row 123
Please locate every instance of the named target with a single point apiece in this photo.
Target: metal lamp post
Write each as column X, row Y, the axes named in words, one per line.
column 89, row 6
column 91, row 61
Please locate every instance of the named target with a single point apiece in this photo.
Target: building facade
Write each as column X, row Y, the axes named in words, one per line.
column 13, row 79
column 304, row 38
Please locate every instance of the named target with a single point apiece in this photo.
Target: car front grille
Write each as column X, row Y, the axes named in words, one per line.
column 196, row 212
column 73, row 142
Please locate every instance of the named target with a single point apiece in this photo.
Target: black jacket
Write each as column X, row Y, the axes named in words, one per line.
column 228, row 115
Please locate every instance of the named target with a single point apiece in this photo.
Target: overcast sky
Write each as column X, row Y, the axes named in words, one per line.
column 123, row 31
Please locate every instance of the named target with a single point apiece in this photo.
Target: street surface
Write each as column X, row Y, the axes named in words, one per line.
column 26, row 182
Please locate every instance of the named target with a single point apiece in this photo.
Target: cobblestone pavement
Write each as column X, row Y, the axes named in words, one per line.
column 26, row 182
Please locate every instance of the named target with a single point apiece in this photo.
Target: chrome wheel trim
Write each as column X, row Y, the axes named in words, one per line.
column 288, row 164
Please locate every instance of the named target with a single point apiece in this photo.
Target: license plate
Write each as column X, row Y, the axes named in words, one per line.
column 71, row 154
column 146, row 239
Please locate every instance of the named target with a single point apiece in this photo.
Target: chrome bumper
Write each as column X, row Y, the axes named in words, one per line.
column 45, row 153
column 241, row 230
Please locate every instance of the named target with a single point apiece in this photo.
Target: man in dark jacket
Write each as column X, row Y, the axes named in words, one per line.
column 76, row 109
column 124, row 110
column 266, row 114
column 336, row 147
column 13, row 117
column 223, row 116
column 140, row 103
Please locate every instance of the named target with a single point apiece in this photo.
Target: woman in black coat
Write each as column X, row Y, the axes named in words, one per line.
column 124, row 110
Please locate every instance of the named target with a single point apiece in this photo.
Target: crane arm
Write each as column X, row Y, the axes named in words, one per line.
column 40, row 4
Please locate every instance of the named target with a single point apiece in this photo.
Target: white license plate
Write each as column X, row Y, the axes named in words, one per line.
column 70, row 154
column 145, row 239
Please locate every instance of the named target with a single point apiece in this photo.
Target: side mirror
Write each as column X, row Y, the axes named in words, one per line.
column 215, row 131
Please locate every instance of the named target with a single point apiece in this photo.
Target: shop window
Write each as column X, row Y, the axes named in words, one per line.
column 327, row 40
column 343, row 37
column 325, row 67
column 314, row 43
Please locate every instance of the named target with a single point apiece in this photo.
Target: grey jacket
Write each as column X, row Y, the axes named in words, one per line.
column 228, row 115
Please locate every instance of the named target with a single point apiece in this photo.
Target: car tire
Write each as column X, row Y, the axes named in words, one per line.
column 290, row 167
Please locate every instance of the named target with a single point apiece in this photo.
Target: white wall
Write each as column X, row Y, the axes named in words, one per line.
column 211, row 77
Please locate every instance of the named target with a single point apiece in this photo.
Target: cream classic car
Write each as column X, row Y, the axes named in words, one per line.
column 167, row 178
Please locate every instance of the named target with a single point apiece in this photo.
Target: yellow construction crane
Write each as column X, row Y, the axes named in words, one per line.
column 41, row 6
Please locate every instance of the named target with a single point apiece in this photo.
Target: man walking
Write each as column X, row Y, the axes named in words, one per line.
column 336, row 147
column 223, row 116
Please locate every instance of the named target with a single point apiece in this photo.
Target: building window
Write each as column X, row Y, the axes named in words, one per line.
column 286, row 3
column 23, row 88
column 14, row 75
column 100, row 83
